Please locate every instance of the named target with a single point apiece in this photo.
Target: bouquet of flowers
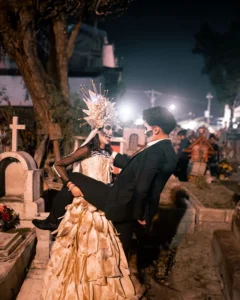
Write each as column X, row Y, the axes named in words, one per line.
column 8, row 218
column 224, row 168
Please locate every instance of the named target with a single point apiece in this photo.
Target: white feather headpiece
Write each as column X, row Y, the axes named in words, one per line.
column 100, row 110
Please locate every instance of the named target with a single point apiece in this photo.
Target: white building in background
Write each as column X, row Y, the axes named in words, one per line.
column 93, row 58
column 134, row 138
column 237, row 112
column 227, row 114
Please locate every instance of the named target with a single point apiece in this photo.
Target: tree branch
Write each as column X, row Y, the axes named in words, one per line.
column 61, row 40
column 20, row 43
column 72, row 38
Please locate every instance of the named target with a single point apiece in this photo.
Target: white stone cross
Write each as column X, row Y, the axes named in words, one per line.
column 15, row 127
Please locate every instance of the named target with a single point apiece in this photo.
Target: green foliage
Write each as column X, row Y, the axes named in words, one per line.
column 221, row 54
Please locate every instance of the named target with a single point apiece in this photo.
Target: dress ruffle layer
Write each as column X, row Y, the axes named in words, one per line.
column 87, row 259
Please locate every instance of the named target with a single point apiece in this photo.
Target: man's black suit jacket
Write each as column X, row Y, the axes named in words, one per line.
column 137, row 188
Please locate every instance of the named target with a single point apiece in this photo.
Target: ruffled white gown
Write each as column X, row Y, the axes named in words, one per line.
column 87, row 259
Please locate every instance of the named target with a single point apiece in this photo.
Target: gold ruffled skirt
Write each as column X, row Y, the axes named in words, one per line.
column 87, row 259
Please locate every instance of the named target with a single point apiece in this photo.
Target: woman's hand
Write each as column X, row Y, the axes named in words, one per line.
column 74, row 189
column 76, row 192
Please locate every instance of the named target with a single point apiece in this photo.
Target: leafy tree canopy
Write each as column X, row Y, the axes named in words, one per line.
column 221, row 54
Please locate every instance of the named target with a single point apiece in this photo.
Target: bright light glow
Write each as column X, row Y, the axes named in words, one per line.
column 139, row 121
column 235, row 126
column 125, row 112
column 172, row 107
column 211, row 130
column 190, row 125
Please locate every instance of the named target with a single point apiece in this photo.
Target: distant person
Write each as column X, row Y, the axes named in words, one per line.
column 214, row 158
column 183, row 157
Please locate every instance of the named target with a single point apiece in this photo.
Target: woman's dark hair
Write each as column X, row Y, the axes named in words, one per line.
column 94, row 145
column 160, row 116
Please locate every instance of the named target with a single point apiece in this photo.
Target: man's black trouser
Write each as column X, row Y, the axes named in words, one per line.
column 95, row 192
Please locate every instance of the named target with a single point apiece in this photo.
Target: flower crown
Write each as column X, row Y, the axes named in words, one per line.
column 100, row 110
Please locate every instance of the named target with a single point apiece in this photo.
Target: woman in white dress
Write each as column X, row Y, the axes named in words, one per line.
column 87, row 259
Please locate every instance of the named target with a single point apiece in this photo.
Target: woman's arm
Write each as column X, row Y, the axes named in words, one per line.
column 60, row 166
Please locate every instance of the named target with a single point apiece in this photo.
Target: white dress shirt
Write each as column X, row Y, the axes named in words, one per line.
column 155, row 142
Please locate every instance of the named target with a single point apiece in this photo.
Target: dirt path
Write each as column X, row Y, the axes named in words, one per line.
column 193, row 276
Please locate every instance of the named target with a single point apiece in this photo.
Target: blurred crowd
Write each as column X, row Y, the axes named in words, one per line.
column 183, row 139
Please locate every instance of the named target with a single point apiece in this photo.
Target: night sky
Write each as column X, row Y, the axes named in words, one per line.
column 154, row 42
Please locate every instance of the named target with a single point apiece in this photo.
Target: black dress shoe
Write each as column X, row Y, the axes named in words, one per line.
column 44, row 224
column 36, row 221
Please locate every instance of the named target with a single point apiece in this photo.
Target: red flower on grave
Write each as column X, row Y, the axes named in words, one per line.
column 5, row 216
column 2, row 208
column 8, row 218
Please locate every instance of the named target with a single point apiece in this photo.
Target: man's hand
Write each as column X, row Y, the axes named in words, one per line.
column 142, row 222
column 76, row 192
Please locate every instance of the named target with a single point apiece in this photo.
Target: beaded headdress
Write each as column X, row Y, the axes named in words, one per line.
column 100, row 111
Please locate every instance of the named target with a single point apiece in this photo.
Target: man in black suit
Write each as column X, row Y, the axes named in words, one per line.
column 134, row 196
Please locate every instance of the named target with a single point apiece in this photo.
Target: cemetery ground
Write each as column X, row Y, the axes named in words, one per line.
column 178, row 257
column 190, row 264
column 193, row 275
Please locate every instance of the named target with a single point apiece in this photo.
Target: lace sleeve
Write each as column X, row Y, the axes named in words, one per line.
column 60, row 166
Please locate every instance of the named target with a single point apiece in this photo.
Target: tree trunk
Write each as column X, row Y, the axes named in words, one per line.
column 21, row 47
column 72, row 38
column 56, row 150
column 61, row 59
column 40, row 151
column 48, row 87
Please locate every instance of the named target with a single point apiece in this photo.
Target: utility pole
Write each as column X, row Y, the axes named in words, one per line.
column 209, row 98
column 153, row 95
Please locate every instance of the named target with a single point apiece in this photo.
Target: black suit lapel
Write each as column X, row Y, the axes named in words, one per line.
column 144, row 150
column 141, row 152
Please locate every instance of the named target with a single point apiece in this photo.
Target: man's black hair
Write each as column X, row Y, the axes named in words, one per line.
column 182, row 132
column 160, row 116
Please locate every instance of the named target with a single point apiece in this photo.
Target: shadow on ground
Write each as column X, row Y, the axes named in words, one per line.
column 153, row 253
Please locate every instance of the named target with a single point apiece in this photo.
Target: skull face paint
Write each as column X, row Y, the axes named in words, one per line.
column 148, row 132
column 105, row 134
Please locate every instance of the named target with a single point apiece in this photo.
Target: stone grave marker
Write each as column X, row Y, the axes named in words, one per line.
column 20, row 189
column 9, row 242
column 16, row 251
column 15, row 127
column 226, row 252
column 20, row 179
column 21, row 183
